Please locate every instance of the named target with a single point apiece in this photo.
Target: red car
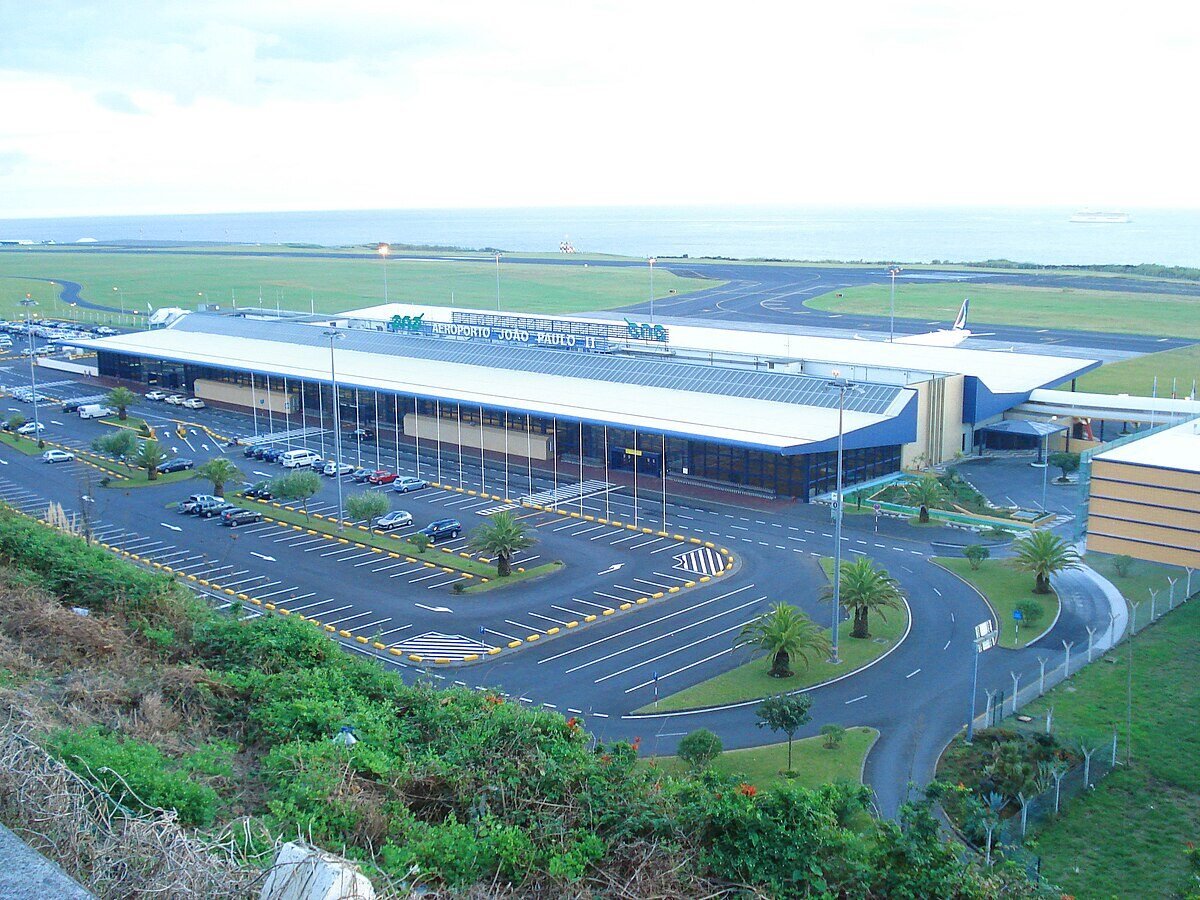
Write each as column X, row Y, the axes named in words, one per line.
column 381, row 476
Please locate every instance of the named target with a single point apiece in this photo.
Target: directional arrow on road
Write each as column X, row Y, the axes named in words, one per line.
column 55, row 422
column 262, row 556
column 205, row 446
column 613, row 568
column 3, row 462
column 172, row 527
column 86, row 499
column 433, row 608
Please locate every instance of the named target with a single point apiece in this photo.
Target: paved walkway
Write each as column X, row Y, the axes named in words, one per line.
column 27, row 875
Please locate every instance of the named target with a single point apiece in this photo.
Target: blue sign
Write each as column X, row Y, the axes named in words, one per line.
column 410, row 324
column 1017, row 614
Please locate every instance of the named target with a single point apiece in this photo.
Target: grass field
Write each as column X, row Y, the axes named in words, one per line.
column 1005, row 588
column 1116, row 311
column 1127, row 837
column 750, row 680
column 1136, row 376
column 811, row 760
column 301, row 283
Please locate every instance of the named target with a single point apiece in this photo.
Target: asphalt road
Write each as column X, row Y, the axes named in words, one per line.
column 917, row 695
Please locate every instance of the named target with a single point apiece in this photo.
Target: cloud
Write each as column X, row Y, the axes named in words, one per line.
column 119, row 101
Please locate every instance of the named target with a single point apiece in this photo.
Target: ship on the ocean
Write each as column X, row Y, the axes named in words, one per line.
column 1097, row 217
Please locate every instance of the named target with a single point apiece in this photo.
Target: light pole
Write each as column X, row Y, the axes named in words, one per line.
column 652, row 261
column 893, row 271
column 121, row 294
column 841, row 385
column 28, row 303
column 334, row 335
column 383, row 250
column 497, row 282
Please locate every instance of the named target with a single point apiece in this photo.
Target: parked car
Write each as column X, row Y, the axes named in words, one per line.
column 407, row 483
column 441, row 529
column 57, row 456
column 272, row 454
column 193, row 403
column 259, row 452
column 156, row 395
column 212, row 510
column 334, row 468
column 95, row 411
column 188, row 506
column 178, row 464
column 176, row 399
column 397, row 518
column 381, row 476
column 259, row 492
column 31, row 428
column 298, row 459
column 250, row 450
column 361, row 474
column 238, row 516
column 361, row 434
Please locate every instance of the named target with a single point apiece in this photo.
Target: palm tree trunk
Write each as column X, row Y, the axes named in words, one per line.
column 152, row 473
column 503, row 565
column 860, row 623
column 781, row 665
column 122, row 413
column 1043, row 584
column 923, row 518
column 219, row 488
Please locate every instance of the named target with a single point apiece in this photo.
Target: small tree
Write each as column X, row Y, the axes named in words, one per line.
column 976, row 554
column 297, row 485
column 16, row 420
column 833, row 734
column 150, row 456
column 1067, row 462
column 785, row 713
column 783, row 632
column 925, row 492
column 121, row 398
column 220, row 472
column 699, row 748
column 865, row 589
column 366, row 506
column 1030, row 611
column 420, row 540
column 121, row 444
column 501, row 537
column 1122, row 565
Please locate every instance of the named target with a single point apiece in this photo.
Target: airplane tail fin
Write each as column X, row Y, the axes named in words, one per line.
column 961, row 322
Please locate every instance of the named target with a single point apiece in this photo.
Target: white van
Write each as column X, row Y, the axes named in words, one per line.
column 295, row 459
column 96, row 411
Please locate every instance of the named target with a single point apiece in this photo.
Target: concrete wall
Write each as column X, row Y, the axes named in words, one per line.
column 1145, row 512
column 939, row 422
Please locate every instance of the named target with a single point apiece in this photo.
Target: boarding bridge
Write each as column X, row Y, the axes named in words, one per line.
column 1109, row 407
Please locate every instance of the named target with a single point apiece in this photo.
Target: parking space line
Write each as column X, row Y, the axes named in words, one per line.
column 646, row 543
column 523, row 625
column 673, row 546
column 649, row 582
column 654, row 659
column 417, row 568
column 297, row 609
column 425, row 577
column 547, row 618
column 612, row 597
column 438, row 584
column 690, row 665
column 349, row 548
column 345, row 619
column 676, row 577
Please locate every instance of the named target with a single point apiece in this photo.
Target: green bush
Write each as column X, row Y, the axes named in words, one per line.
column 699, row 748
column 130, row 771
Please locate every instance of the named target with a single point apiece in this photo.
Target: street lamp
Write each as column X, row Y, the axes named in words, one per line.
column 893, row 271
column 383, row 250
column 652, row 261
column 842, row 386
column 497, row 282
column 121, row 294
column 28, row 303
column 985, row 639
column 334, row 335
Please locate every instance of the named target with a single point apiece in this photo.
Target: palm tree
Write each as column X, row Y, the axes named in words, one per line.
column 925, row 492
column 220, row 472
column 121, row 398
column 1044, row 554
column 865, row 589
column 501, row 537
column 783, row 632
column 150, row 456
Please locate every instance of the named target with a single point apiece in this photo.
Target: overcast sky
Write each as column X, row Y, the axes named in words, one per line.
column 129, row 108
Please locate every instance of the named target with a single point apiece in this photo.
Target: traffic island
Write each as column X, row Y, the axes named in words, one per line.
column 1022, row 616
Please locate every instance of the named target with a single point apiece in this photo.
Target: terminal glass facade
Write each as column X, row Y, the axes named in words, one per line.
column 649, row 454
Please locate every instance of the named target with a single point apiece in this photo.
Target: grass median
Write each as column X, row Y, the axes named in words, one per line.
column 1007, row 588
column 370, row 538
column 750, row 681
column 813, row 762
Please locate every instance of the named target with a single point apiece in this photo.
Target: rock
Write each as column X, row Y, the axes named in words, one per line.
column 301, row 872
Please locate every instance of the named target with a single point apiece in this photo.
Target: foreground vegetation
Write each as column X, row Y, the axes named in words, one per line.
column 1172, row 315
column 264, row 721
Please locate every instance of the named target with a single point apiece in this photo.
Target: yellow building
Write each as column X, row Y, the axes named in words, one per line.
column 1144, row 498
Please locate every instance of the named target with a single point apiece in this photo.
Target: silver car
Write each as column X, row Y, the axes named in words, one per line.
column 397, row 518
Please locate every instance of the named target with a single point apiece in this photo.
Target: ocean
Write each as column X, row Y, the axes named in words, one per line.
column 1167, row 237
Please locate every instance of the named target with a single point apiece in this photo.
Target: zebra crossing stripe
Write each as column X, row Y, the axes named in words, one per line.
column 701, row 561
column 435, row 644
column 492, row 510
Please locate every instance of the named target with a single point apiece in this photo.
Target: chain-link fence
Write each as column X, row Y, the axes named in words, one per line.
column 1053, row 800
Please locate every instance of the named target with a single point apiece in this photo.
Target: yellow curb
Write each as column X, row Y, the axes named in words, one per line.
column 494, row 651
column 641, row 600
column 589, row 618
column 395, row 652
column 269, row 605
column 572, row 624
column 414, row 657
column 282, row 611
column 344, row 633
column 330, row 628
column 552, row 630
column 673, row 590
column 471, row 657
column 625, row 606
column 243, row 596
column 661, row 533
column 231, row 592
column 362, row 640
column 657, row 595
column 379, row 646
column 512, row 645
column 689, row 584
column 608, row 612
column 632, row 527
column 678, row 537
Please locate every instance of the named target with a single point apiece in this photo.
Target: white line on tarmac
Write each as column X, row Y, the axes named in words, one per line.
column 856, row 699
column 672, row 652
column 912, row 673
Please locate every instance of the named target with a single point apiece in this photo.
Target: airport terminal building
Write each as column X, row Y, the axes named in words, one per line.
column 738, row 409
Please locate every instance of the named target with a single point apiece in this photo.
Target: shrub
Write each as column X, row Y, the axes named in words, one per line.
column 976, row 554
column 833, row 734
column 1122, row 565
column 1030, row 611
column 699, row 748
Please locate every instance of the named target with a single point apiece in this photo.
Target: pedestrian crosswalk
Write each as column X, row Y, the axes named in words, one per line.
column 492, row 510
column 701, row 561
column 436, row 645
column 277, row 437
column 566, row 493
